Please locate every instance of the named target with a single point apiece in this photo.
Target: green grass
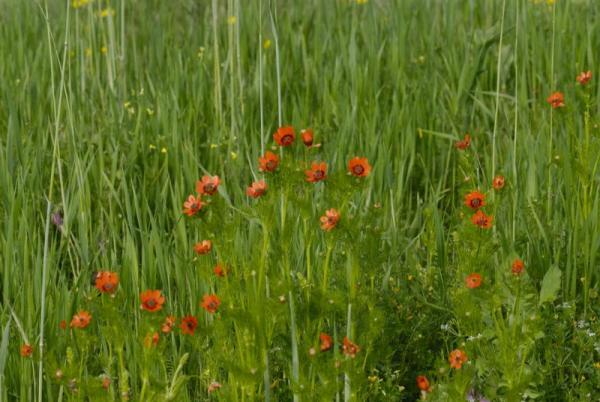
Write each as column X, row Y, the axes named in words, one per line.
column 116, row 139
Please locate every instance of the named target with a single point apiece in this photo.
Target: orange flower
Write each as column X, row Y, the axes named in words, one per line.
column 330, row 219
column 326, row 342
column 464, row 143
column 473, row 281
column 151, row 339
column 349, row 348
column 219, row 271
column 517, row 267
column 359, row 167
column 207, row 185
column 107, row 282
column 268, row 162
column 475, row 200
column 168, row 324
column 152, row 300
column 62, row 324
column 307, row 137
column 257, row 189
column 213, row 386
column 498, row 182
column 285, row 136
column 584, row 77
column 556, row 100
column 317, row 172
column 210, row 303
column 26, row 350
column 203, row 247
column 457, row 358
column 192, row 205
column 81, row 319
column 482, row 220
column 106, row 382
column 423, row 383
column 188, row 325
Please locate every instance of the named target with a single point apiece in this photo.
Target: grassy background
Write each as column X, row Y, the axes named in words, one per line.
column 124, row 112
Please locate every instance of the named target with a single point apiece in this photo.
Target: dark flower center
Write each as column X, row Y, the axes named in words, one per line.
column 475, row 202
column 209, row 188
column 287, row 139
column 270, row 165
column 358, row 169
column 151, row 303
column 318, row 174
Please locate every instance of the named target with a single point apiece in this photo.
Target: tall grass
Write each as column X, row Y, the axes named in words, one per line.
column 111, row 111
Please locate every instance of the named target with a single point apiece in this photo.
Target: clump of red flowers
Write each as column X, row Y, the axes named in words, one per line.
column 556, row 100
column 219, row 271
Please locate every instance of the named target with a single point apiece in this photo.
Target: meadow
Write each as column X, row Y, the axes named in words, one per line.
column 317, row 200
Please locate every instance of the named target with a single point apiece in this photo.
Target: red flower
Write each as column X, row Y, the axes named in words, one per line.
column 584, row 77
column 498, row 182
column 151, row 339
column 556, row 100
column 210, row 303
column 423, row 383
column 475, row 200
column 307, row 137
column 107, row 282
column 285, row 136
column 26, row 350
column 213, row 386
column 203, row 247
column 81, row 319
column 192, row 205
column 517, row 267
column 473, row 281
column 330, row 219
column 326, row 342
column 207, row 185
column 349, row 348
column 464, row 143
column 219, row 271
column 257, row 189
column 359, row 167
column 482, row 220
column 268, row 162
column 106, row 382
column 457, row 358
column 168, row 324
column 188, row 325
column 317, row 172
column 152, row 300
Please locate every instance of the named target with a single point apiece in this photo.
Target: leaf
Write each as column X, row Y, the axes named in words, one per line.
column 4, row 350
column 550, row 285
